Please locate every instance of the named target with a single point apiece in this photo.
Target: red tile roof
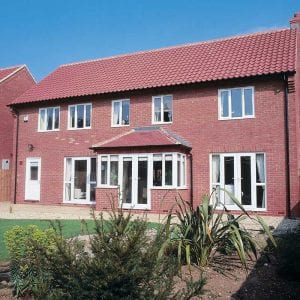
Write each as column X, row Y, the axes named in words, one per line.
column 143, row 137
column 4, row 73
column 242, row 56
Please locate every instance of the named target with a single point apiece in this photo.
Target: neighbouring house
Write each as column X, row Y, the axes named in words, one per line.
column 14, row 81
column 151, row 125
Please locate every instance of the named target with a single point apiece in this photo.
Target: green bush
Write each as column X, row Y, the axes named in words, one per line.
column 121, row 261
column 20, row 243
column 204, row 230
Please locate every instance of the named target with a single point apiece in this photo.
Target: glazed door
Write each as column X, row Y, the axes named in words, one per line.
column 33, row 179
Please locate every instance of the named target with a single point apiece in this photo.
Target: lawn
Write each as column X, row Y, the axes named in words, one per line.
column 70, row 228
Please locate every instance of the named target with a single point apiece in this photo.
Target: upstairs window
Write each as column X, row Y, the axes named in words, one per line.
column 120, row 112
column 80, row 116
column 162, row 109
column 236, row 103
column 49, row 119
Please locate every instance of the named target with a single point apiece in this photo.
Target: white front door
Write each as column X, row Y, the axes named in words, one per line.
column 135, row 182
column 33, row 178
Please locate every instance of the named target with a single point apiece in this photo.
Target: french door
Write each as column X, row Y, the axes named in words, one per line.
column 238, row 176
column 135, row 182
column 33, row 178
column 80, row 179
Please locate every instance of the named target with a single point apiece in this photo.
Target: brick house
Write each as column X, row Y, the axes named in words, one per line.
column 14, row 81
column 181, row 120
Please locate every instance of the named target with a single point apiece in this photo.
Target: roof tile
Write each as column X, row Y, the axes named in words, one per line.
column 242, row 56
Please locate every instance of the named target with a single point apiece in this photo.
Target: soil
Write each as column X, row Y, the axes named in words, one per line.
column 226, row 279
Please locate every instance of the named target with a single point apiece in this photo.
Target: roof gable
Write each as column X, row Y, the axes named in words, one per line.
column 242, row 56
column 7, row 72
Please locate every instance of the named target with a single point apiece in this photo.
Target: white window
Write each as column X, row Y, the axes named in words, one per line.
column 79, row 116
column 49, row 119
column 162, row 109
column 120, row 112
column 236, row 103
column 241, row 174
column 109, row 170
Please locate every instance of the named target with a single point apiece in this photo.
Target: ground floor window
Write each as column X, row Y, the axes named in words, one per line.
column 80, row 179
column 136, row 174
column 243, row 175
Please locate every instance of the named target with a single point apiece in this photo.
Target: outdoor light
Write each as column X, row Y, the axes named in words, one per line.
column 30, row 147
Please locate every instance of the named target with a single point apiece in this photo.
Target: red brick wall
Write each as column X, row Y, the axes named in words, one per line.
column 195, row 112
column 10, row 89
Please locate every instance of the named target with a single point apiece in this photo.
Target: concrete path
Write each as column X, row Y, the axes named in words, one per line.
column 50, row 212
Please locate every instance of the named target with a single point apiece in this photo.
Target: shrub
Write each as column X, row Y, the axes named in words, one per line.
column 204, row 230
column 20, row 243
column 288, row 255
column 121, row 261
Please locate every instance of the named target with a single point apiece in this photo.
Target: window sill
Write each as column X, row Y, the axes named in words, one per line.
column 236, row 118
column 80, row 128
column 32, row 200
column 132, row 206
column 235, row 208
column 54, row 130
column 161, row 123
column 117, row 126
column 80, row 202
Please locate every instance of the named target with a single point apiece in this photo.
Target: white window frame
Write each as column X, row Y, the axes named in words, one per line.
column 84, row 116
column 89, row 182
column 109, row 159
column 161, row 109
column 46, row 118
column 229, row 90
column 254, row 184
column 120, row 113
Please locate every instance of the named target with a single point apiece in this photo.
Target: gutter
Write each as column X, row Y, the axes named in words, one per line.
column 287, row 146
column 16, row 156
column 191, row 180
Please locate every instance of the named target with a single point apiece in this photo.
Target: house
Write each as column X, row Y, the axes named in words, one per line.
column 14, row 81
column 151, row 125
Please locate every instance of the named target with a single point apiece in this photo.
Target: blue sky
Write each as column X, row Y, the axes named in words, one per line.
column 45, row 34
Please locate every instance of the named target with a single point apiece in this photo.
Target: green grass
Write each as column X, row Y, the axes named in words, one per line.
column 71, row 228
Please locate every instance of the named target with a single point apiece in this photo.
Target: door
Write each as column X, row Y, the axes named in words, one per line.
column 33, row 179
column 237, row 177
column 80, row 179
column 135, row 192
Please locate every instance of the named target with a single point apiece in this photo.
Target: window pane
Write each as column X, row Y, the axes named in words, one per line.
column 229, row 178
column 157, row 109
column 56, row 118
column 93, row 176
column 260, row 168
column 224, row 104
column 68, row 191
column 114, row 168
column 183, row 170
column 80, row 179
column 49, row 118
column 42, row 119
column 167, row 108
column 93, row 192
column 215, row 169
column 178, row 170
column 34, row 171
column 142, row 181
column 248, row 102
column 127, row 181
column 116, row 113
column 68, row 174
column 103, row 171
column 157, row 170
column 80, row 115
column 246, row 180
column 88, row 110
column 236, row 103
column 72, row 116
column 125, row 112
column 168, row 170
column 260, row 196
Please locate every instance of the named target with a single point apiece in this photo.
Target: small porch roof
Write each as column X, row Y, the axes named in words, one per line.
column 143, row 137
